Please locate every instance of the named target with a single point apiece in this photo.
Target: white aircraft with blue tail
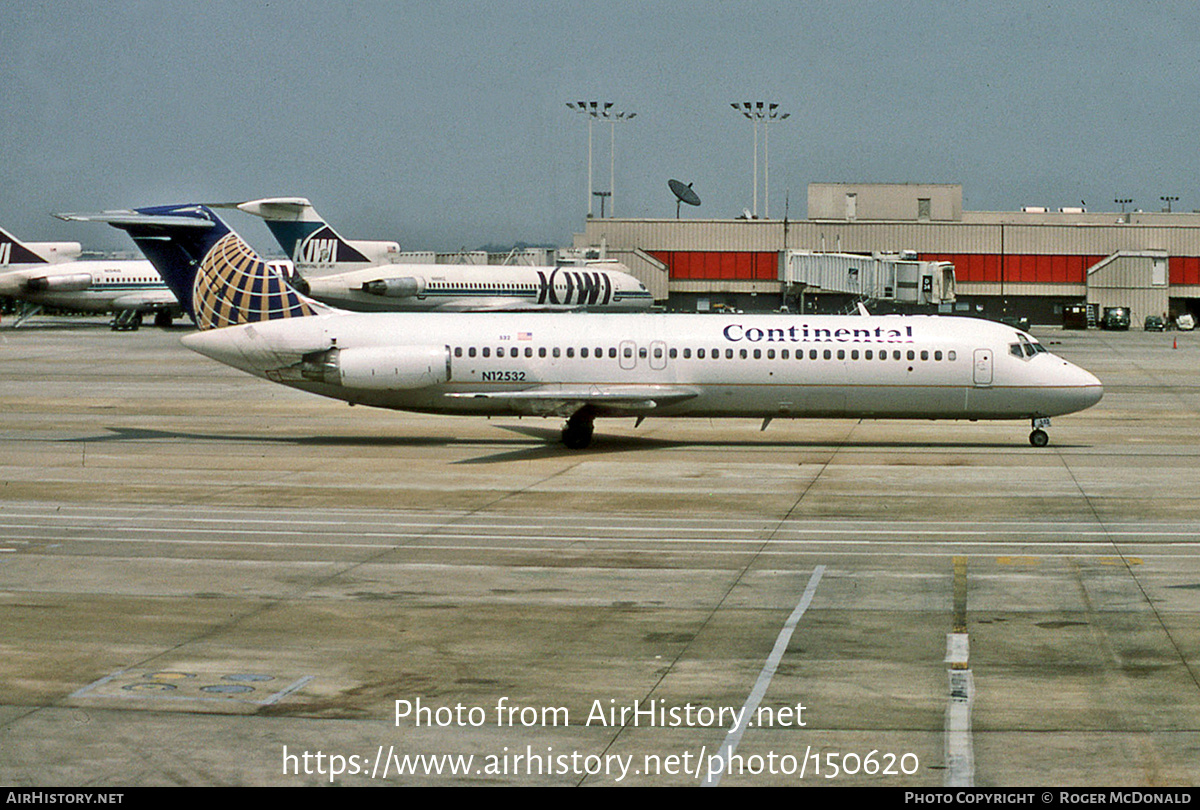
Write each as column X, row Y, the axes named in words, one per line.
column 584, row 366
column 51, row 274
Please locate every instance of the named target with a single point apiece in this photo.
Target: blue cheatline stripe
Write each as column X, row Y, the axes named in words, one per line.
column 764, row 678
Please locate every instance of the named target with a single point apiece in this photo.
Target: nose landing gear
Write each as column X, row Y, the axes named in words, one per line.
column 1039, row 437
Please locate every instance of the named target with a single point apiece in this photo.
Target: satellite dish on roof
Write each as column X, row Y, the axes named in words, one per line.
column 683, row 194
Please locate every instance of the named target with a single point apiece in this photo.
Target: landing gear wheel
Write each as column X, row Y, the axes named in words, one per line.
column 1039, row 438
column 127, row 320
column 162, row 319
column 577, row 433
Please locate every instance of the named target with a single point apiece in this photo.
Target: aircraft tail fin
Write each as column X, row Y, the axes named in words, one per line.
column 218, row 279
column 309, row 241
column 14, row 251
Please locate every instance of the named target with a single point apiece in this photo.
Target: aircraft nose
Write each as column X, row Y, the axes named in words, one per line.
column 1085, row 389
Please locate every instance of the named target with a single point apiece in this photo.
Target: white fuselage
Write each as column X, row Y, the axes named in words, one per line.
column 763, row 366
column 461, row 288
column 86, row 286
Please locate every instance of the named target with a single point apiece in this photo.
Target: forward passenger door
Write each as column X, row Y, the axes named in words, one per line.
column 983, row 368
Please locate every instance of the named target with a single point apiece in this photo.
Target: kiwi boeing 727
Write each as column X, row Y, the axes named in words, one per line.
column 365, row 276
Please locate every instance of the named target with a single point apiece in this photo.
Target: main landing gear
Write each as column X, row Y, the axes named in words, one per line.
column 577, row 433
column 1039, row 437
column 126, row 320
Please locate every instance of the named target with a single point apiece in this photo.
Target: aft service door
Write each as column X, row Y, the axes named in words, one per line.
column 983, row 367
column 658, row 355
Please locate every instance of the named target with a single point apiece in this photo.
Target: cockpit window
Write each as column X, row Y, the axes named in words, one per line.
column 1024, row 347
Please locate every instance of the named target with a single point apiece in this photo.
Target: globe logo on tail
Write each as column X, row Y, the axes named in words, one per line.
column 233, row 286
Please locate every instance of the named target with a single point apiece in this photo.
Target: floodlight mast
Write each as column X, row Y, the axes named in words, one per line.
column 766, row 112
column 595, row 111
column 613, row 120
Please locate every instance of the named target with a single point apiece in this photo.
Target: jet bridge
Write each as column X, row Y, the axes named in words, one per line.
column 899, row 277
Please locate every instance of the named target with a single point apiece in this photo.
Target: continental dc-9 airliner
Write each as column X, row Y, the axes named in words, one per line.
column 582, row 366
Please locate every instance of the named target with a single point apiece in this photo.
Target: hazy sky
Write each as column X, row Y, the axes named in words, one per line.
column 444, row 124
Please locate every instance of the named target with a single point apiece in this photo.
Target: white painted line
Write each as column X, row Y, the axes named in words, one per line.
column 764, row 679
column 960, row 752
column 957, row 648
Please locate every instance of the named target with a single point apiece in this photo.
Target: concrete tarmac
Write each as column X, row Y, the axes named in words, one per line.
column 208, row 579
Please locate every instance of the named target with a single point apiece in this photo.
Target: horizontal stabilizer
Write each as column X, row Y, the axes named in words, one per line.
column 289, row 209
column 120, row 219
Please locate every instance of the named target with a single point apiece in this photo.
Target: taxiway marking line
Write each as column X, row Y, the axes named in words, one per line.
column 764, row 678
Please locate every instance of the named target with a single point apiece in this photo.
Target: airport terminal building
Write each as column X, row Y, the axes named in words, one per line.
column 1031, row 263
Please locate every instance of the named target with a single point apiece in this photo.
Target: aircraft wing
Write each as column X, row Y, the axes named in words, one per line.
column 608, row 400
column 151, row 300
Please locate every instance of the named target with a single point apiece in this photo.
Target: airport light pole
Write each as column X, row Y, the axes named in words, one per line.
column 766, row 112
column 1123, row 201
column 1168, row 201
column 613, row 120
column 773, row 115
column 593, row 110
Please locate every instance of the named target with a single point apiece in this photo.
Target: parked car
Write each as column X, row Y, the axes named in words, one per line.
column 1115, row 318
column 1186, row 322
column 1155, row 323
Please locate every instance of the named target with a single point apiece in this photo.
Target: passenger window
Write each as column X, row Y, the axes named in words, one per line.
column 612, row 352
column 771, row 354
column 700, row 354
column 687, row 354
column 570, row 351
column 673, row 353
column 783, row 354
column 658, row 353
column 583, row 352
column 841, row 354
column 828, row 354
column 924, row 355
column 729, row 354
column 471, row 351
column 951, row 355
column 555, row 351
column 742, row 354
column 937, row 355
column 458, row 351
column 912, row 355
column 896, row 354
column 487, row 352
column 541, row 351
column 812, row 354
column 529, row 351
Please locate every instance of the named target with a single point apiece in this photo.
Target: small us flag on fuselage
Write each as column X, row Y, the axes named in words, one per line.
column 524, row 335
